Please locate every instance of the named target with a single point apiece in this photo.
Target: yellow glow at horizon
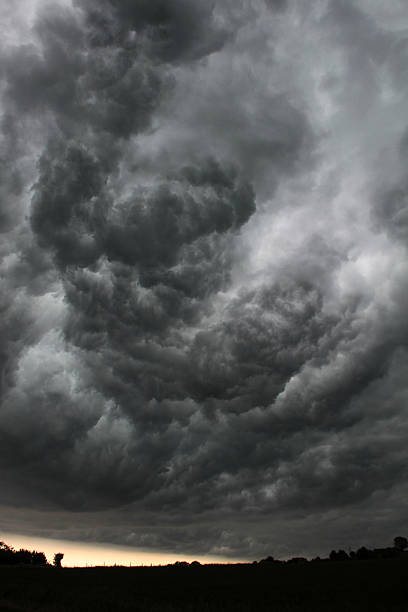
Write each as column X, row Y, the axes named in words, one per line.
column 81, row 554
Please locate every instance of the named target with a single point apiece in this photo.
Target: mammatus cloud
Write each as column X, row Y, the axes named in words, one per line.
column 203, row 333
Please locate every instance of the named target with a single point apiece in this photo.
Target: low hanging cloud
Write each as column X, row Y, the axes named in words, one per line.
column 203, row 333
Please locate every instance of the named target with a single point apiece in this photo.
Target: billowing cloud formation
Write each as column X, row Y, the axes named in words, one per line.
column 203, row 333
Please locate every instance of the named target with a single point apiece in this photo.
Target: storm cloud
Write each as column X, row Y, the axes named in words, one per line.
column 204, row 273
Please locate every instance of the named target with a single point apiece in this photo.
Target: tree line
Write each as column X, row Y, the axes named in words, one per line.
column 362, row 553
column 10, row 556
column 390, row 552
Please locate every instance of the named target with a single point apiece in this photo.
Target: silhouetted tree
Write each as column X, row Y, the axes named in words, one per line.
column 9, row 556
column 400, row 543
column 181, row 564
column 23, row 556
column 386, row 553
column 6, row 554
column 365, row 553
column 341, row 555
column 38, row 558
column 268, row 559
column 57, row 559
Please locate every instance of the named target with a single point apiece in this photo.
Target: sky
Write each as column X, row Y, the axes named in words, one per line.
column 204, row 288
column 81, row 554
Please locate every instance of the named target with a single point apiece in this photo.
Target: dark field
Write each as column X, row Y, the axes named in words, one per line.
column 380, row 585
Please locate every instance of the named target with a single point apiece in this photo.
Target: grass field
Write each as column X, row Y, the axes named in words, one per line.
column 378, row 585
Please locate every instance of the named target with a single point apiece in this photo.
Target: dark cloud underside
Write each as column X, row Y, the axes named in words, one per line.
column 203, row 276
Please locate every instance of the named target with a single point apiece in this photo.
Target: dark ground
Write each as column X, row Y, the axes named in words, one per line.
column 375, row 585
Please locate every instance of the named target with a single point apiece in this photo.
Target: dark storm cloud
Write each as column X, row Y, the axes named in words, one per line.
column 152, row 229
column 268, row 136
column 391, row 210
column 67, row 204
column 175, row 30
column 105, row 74
column 162, row 246
column 170, row 233
column 11, row 180
column 204, row 285
column 160, row 252
column 266, row 337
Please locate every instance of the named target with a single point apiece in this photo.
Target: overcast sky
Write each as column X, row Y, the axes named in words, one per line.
column 204, row 273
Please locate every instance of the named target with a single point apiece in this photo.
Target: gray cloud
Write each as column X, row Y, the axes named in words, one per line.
column 204, row 275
